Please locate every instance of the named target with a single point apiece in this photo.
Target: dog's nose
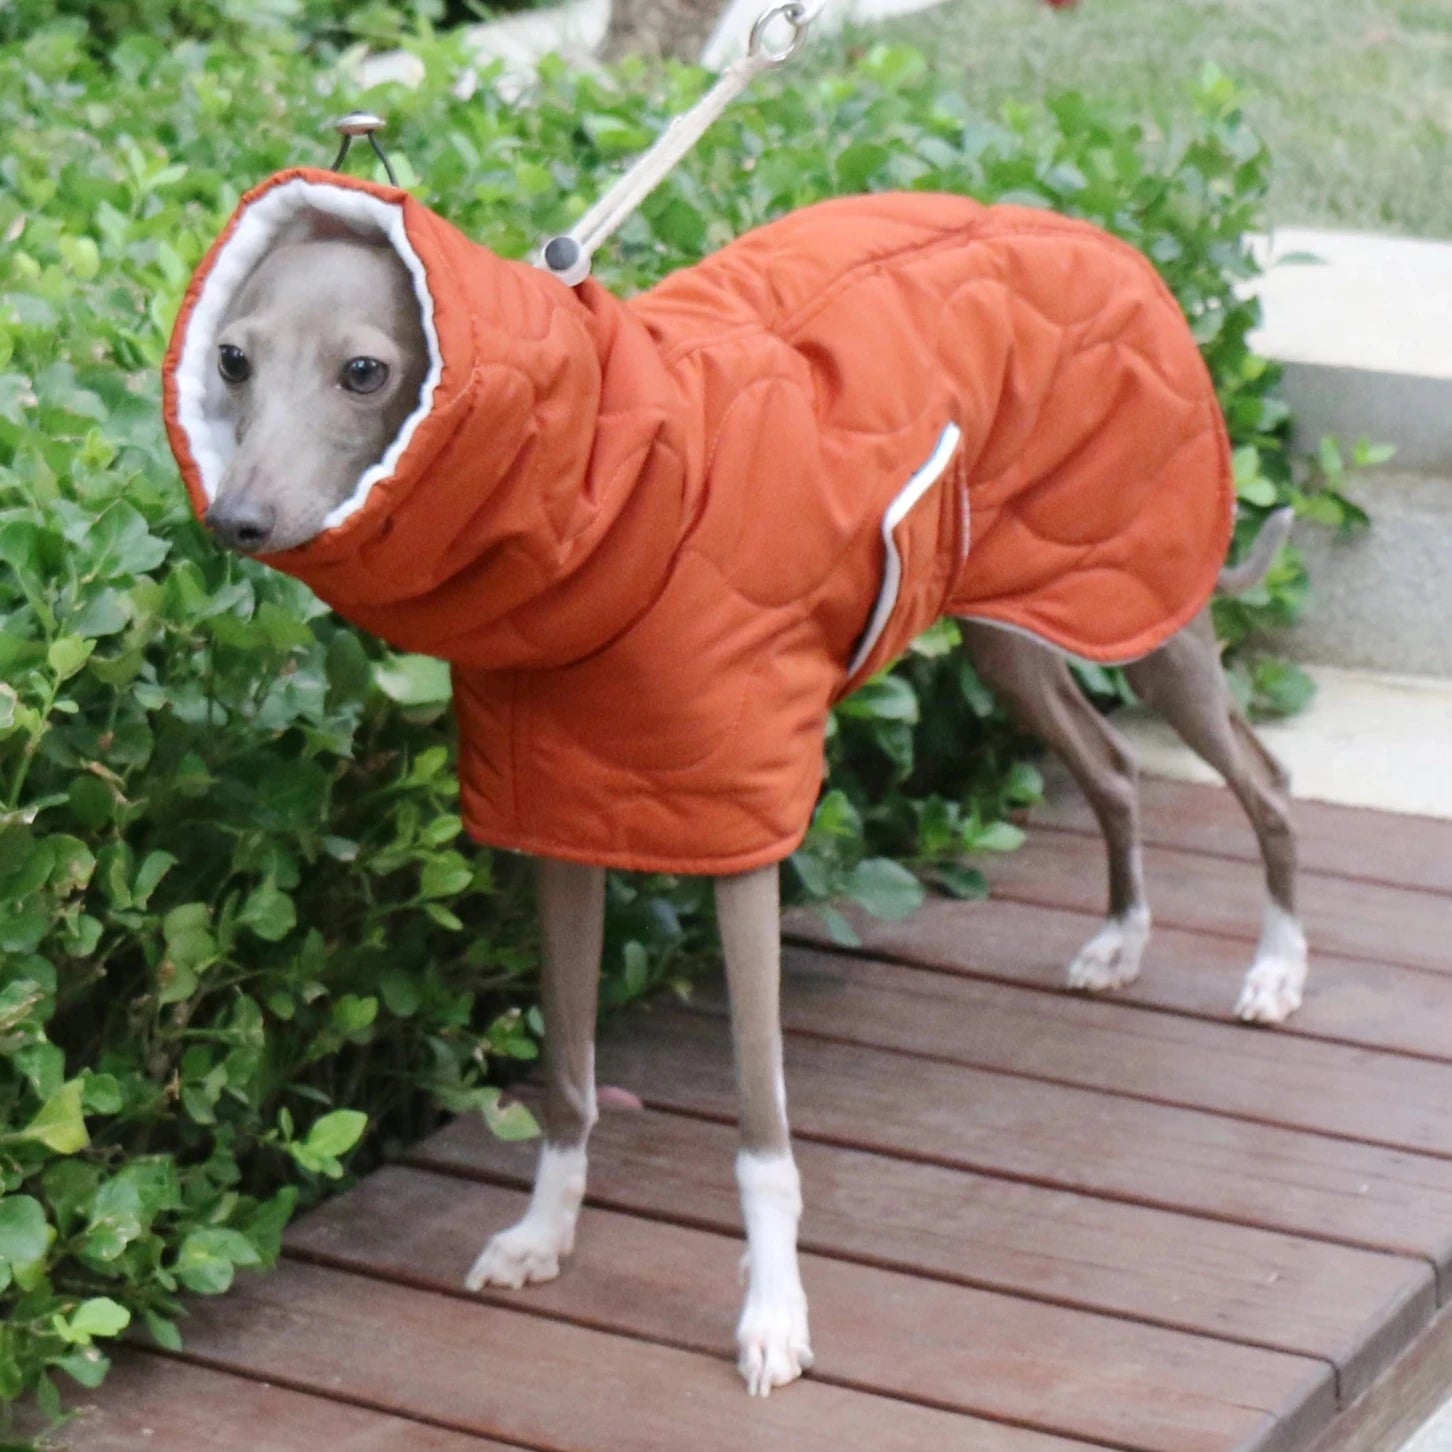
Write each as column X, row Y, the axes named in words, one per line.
column 242, row 522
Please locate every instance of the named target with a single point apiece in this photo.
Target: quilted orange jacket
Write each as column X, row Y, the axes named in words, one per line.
column 657, row 539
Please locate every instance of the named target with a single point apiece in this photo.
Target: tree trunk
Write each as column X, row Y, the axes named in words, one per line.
column 675, row 28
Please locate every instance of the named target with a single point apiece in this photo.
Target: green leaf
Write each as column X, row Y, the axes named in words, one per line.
column 352, row 1013
column 336, row 1133
column 190, row 945
column 269, row 912
column 886, row 889
column 1024, row 785
column 443, row 917
column 860, row 163
column 154, row 866
column 121, row 543
column 884, row 698
column 163, row 1331
column 88, row 1367
column 284, row 631
column 995, row 837
column 92, row 800
column 841, row 931
column 348, row 667
column 67, row 655
column 615, row 136
column 60, row 1125
column 102, row 1093
column 25, row 1236
column 400, row 992
column 207, row 1259
column 99, row 1316
column 446, row 875
column 414, row 680
column 961, row 881
column 510, row 1122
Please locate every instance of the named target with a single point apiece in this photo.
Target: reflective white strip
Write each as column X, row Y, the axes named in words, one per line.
column 898, row 511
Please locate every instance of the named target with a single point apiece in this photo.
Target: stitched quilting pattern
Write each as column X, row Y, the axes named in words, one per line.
column 649, row 534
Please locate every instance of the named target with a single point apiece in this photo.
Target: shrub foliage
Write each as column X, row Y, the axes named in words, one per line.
column 236, row 918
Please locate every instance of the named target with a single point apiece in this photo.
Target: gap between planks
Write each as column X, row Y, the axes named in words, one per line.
column 1224, row 898
column 320, row 1330
column 1358, row 844
column 1187, row 974
column 1359, row 1094
column 1180, row 1160
column 169, row 1404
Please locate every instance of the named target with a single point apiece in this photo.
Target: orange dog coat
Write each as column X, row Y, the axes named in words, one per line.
column 657, row 539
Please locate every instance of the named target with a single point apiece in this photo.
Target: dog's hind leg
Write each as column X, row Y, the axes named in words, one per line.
column 1035, row 683
column 1183, row 681
column 773, row 1343
column 572, row 913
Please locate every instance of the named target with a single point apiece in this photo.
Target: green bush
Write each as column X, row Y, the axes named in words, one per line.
column 235, row 915
column 321, row 25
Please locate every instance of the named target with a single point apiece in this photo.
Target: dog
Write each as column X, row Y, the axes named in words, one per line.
column 465, row 456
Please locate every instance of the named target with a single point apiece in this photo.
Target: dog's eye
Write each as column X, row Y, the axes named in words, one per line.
column 232, row 364
column 364, row 375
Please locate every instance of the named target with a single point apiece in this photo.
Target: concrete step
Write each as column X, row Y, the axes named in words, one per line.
column 1382, row 600
column 1363, row 325
column 1367, row 740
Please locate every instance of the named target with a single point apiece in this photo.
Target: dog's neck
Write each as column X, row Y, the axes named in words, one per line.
column 538, row 520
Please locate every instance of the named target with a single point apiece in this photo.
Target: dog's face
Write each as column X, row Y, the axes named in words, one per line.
column 318, row 363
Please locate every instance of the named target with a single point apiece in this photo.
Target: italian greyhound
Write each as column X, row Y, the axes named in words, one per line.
column 319, row 359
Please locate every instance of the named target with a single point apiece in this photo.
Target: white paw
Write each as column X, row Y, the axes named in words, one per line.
column 519, row 1256
column 1277, row 978
column 531, row 1250
column 774, row 1346
column 1111, row 958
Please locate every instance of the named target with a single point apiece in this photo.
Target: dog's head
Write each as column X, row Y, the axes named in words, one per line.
column 305, row 359
column 391, row 412
column 317, row 363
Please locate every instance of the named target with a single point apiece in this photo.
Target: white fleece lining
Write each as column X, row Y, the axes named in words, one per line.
column 211, row 438
column 911, row 494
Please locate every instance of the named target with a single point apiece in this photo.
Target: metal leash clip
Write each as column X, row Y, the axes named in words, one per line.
column 361, row 123
column 797, row 16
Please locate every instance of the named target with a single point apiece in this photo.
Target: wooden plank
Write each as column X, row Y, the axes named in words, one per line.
column 477, row 1368
column 1333, row 1089
column 1393, row 1409
column 155, row 1404
column 1066, row 1371
column 1344, row 841
column 1353, row 1308
column 1215, row 894
column 1347, row 999
column 1076, row 1139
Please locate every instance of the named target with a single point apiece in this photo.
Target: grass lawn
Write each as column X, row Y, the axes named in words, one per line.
column 1354, row 97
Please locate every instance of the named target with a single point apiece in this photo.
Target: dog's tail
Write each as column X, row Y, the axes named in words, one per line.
column 1237, row 579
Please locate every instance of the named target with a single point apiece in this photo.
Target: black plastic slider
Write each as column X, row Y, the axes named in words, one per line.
column 566, row 259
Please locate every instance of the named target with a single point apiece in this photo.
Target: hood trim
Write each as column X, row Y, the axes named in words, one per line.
column 258, row 227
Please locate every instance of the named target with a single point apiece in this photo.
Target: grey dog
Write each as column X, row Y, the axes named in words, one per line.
column 319, row 360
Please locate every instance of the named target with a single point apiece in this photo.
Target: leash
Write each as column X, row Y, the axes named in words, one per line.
column 568, row 255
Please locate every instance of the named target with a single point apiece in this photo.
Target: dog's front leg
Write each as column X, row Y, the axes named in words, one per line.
column 772, row 1338
column 572, row 913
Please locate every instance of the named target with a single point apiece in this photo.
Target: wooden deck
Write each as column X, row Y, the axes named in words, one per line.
column 1035, row 1222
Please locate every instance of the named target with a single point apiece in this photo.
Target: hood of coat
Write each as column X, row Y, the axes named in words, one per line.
column 528, row 508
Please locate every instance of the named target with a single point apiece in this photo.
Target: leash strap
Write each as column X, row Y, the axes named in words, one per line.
column 568, row 255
